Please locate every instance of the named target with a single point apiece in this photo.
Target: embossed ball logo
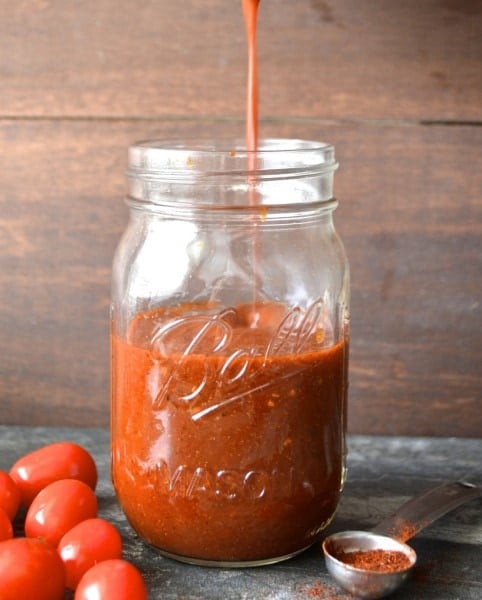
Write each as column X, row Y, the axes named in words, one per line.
column 235, row 356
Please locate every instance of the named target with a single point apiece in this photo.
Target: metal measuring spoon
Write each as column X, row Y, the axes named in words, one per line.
column 390, row 535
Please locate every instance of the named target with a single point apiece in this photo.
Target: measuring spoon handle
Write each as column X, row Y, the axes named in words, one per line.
column 422, row 510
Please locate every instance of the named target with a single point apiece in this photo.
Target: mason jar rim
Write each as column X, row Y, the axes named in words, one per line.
column 193, row 158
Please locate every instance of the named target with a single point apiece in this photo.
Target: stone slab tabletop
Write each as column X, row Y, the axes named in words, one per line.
column 383, row 472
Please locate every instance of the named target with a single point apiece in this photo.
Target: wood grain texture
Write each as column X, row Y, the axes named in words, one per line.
column 340, row 59
column 410, row 215
column 396, row 86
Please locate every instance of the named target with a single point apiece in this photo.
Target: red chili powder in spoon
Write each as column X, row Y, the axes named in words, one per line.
column 381, row 561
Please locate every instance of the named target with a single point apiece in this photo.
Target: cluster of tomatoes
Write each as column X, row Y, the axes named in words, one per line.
column 65, row 545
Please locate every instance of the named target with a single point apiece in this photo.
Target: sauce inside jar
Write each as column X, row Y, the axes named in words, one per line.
column 228, row 422
column 228, row 441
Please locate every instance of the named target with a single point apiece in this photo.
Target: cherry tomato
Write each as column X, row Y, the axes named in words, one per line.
column 61, row 460
column 86, row 544
column 9, row 495
column 112, row 579
column 6, row 529
column 30, row 569
column 58, row 508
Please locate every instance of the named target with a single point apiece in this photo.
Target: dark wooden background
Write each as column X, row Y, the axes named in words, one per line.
column 396, row 86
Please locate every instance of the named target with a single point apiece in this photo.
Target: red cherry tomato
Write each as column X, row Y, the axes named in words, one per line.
column 30, row 569
column 58, row 508
column 86, row 544
column 62, row 460
column 6, row 529
column 112, row 579
column 9, row 495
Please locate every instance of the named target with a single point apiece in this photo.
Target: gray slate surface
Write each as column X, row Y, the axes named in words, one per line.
column 383, row 472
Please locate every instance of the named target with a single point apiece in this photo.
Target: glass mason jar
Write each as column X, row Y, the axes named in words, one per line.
column 230, row 330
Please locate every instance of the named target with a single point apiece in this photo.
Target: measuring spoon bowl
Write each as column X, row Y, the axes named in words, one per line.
column 361, row 582
column 391, row 534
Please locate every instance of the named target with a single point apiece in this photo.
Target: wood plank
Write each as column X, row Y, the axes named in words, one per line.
column 340, row 59
column 410, row 215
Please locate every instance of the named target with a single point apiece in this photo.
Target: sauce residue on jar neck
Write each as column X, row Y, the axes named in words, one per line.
column 378, row 560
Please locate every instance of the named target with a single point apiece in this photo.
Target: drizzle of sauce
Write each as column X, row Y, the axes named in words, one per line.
column 250, row 11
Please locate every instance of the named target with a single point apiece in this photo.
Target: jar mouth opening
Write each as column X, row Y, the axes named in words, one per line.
column 196, row 158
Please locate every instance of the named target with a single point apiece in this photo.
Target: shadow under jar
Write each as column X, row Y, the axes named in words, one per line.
column 229, row 333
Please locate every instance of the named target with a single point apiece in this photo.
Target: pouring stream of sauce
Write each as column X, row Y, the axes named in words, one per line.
column 250, row 11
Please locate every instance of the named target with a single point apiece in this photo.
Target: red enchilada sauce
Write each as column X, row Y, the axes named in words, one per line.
column 228, row 425
column 250, row 12
column 228, row 437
